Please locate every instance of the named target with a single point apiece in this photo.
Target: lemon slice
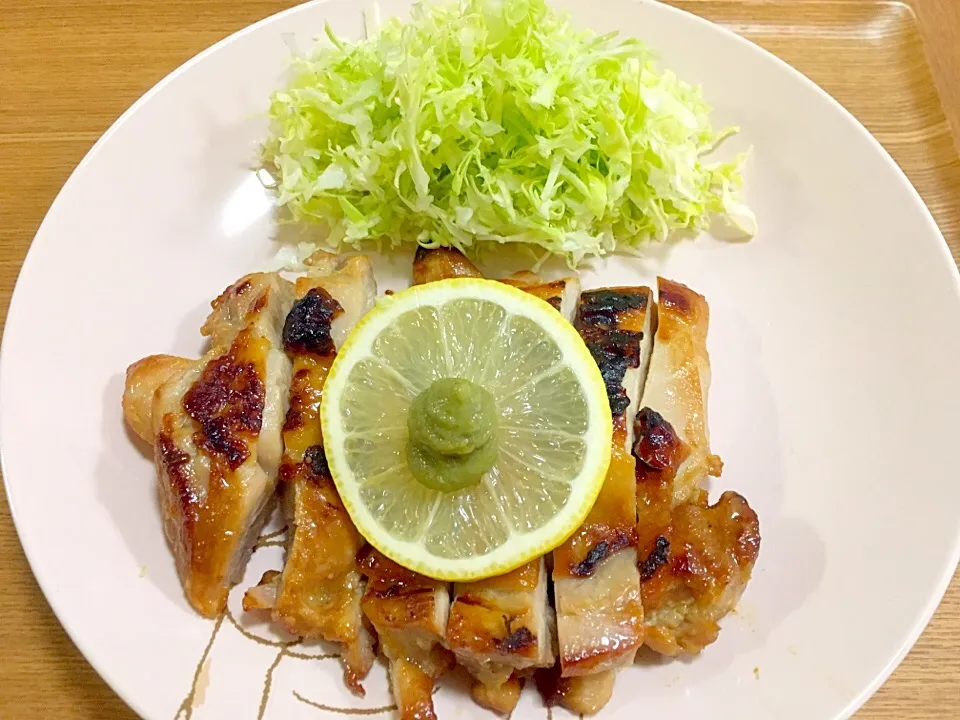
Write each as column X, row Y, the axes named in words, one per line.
column 553, row 427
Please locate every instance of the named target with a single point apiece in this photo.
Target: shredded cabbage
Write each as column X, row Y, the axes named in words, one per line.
column 496, row 120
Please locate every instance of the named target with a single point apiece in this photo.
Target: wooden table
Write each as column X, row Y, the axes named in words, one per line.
column 68, row 68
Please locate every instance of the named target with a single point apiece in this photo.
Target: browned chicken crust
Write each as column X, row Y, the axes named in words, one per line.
column 679, row 382
column 215, row 424
column 694, row 559
column 501, row 628
column 432, row 264
column 319, row 591
column 143, row 380
column 596, row 582
column 585, row 694
column 703, row 562
column 409, row 612
column 562, row 295
column 485, row 624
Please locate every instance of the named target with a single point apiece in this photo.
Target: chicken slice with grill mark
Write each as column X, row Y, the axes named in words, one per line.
column 409, row 612
column 215, row 424
column 563, row 294
column 678, row 385
column 432, row 264
column 501, row 628
column 596, row 581
column 144, row 378
column 319, row 591
column 699, row 568
column 695, row 559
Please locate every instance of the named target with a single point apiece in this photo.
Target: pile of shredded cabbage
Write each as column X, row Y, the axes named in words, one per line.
column 496, row 120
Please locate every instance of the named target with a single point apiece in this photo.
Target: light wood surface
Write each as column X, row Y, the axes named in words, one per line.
column 69, row 68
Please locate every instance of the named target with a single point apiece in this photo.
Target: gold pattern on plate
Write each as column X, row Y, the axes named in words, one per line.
column 276, row 538
column 345, row 711
column 267, row 682
column 284, row 650
column 185, row 711
column 256, row 638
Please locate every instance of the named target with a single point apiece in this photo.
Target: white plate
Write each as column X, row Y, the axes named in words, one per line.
column 835, row 406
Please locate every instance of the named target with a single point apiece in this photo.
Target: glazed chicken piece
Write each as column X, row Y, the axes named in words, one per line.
column 318, row 593
column 501, row 626
column 584, row 694
column 215, row 424
column 695, row 559
column 678, row 385
column 498, row 629
column 697, row 572
column 596, row 581
column 144, row 378
column 432, row 264
column 409, row 612
column 562, row 294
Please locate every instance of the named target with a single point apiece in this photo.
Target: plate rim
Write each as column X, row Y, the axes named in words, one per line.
column 45, row 582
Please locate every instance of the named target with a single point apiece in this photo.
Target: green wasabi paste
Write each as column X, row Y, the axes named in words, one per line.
column 453, row 434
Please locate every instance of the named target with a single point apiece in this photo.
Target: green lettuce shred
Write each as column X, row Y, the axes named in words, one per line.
column 496, row 121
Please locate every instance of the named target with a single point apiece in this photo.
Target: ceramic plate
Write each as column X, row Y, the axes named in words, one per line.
column 835, row 402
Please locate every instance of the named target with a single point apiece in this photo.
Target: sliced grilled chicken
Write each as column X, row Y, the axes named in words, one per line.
column 563, row 294
column 430, row 265
column 596, row 582
column 501, row 698
column 502, row 626
column 498, row 629
column 678, row 384
column 215, row 424
column 584, row 694
column 695, row 559
column 698, row 570
column 318, row 593
column 409, row 612
column 144, row 378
